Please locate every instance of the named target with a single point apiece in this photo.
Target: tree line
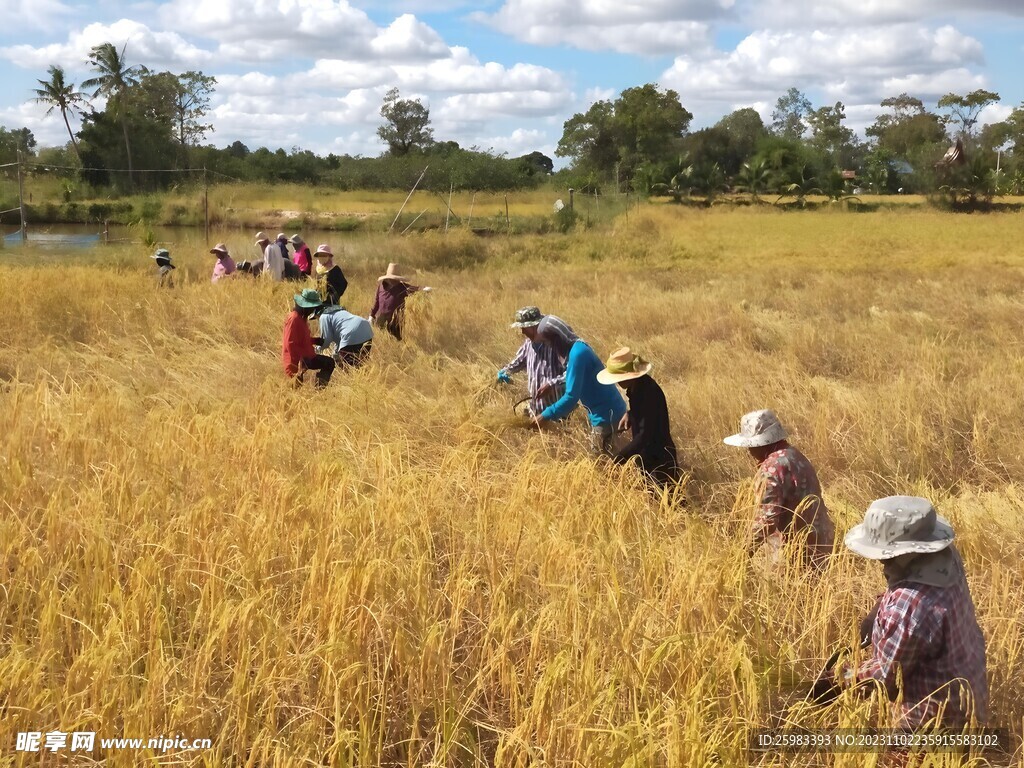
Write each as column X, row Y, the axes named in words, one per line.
column 150, row 122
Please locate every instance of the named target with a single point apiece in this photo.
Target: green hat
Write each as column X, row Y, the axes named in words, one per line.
column 308, row 299
column 527, row 317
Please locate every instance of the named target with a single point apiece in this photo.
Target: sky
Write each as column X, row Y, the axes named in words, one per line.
column 505, row 75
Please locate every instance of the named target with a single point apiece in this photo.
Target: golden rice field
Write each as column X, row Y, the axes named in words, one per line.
column 394, row 572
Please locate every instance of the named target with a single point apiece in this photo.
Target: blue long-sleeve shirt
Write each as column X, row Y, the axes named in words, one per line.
column 603, row 402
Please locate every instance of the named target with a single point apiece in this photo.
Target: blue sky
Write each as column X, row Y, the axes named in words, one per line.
column 505, row 75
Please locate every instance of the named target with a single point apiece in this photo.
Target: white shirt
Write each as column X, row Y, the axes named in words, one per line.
column 273, row 263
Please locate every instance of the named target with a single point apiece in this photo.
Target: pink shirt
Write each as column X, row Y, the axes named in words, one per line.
column 225, row 266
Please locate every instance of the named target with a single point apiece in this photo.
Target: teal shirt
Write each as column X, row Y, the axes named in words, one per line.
column 603, row 402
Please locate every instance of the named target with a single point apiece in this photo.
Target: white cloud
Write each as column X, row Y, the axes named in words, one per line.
column 408, row 38
column 520, row 142
column 39, row 14
column 48, row 130
column 857, row 66
column 786, row 14
column 628, row 26
column 144, row 46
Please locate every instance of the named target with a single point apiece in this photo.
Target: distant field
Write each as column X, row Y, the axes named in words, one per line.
column 395, row 572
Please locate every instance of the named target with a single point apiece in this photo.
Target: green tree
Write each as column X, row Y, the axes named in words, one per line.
column 60, row 94
column 964, row 110
column 828, row 134
column 407, row 126
column 13, row 141
column 754, row 178
column 908, row 128
column 644, row 124
column 790, row 111
column 745, row 129
column 589, row 138
column 113, row 79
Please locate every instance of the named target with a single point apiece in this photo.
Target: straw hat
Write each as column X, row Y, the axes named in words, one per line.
column 623, row 365
column 309, row 299
column 220, row 249
column 900, row 525
column 281, row 236
column 296, row 240
column 323, row 251
column 757, row 429
column 261, row 237
column 527, row 317
column 391, row 274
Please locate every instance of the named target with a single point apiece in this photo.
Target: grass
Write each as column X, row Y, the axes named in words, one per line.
column 394, row 572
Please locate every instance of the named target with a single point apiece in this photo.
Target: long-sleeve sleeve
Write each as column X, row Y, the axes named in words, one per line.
column 771, row 510
column 905, row 632
column 329, row 333
column 376, row 302
column 338, row 283
column 639, row 419
column 518, row 362
column 574, row 385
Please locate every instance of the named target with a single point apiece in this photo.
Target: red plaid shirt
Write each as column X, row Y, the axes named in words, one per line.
column 791, row 504
column 931, row 636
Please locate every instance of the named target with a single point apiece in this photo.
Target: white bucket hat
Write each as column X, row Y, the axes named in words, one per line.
column 900, row 525
column 757, row 429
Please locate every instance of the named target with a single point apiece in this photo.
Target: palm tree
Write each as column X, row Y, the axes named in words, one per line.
column 60, row 95
column 754, row 178
column 114, row 79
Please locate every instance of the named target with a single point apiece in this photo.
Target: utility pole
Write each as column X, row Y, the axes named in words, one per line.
column 206, row 205
column 21, row 198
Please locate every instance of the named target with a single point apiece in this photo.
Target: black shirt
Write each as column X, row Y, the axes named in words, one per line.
column 652, row 436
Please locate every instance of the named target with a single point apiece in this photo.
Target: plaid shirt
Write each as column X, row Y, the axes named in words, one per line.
column 791, row 504
column 543, row 366
column 930, row 635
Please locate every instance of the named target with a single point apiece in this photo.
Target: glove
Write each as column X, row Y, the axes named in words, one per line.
column 503, row 377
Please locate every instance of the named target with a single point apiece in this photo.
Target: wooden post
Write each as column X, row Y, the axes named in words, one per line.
column 407, row 200
column 508, row 224
column 414, row 220
column 106, row 231
column 21, row 199
column 206, row 205
column 451, row 189
column 572, row 194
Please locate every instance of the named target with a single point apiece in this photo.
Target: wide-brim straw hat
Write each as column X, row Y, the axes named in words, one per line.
column 261, row 237
column 296, row 240
column 900, row 525
column 308, row 299
column 219, row 248
column 623, row 365
column 323, row 251
column 391, row 274
column 281, row 236
column 757, row 429
column 527, row 317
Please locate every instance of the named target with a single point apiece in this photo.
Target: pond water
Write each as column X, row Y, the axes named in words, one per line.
column 91, row 235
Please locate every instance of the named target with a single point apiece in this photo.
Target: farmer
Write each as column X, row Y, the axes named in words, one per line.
column 647, row 417
column 389, row 303
column 163, row 262
column 351, row 335
column 273, row 263
column 302, row 258
column 605, row 407
column 225, row 265
column 282, row 244
column 297, row 352
column 330, row 280
column 927, row 650
column 791, row 504
column 545, row 372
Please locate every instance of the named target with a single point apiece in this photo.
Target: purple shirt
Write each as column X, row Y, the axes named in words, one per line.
column 390, row 297
column 225, row 266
